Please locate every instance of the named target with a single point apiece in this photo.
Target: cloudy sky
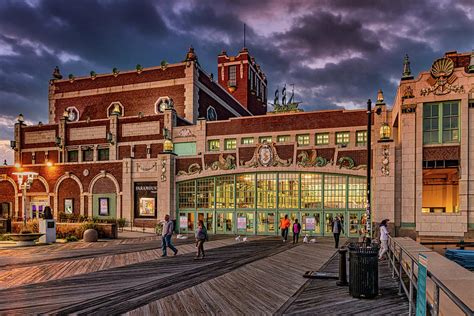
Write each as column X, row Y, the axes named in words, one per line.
column 336, row 53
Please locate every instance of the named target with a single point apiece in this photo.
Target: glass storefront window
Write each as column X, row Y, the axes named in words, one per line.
column 245, row 222
column 245, row 190
column 310, row 224
column 187, row 195
column 334, row 191
column 266, row 190
column 357, row 192
column 288, row 184
column 225, row 192
column 311, row 190
column 205, row 193
column 72, row 156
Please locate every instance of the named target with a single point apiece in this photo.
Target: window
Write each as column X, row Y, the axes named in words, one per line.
column 247, row 140
column 225, row 192
column 211, row 114
column 266, row 190
column 213, row 145
column 441, row 122
column 232, row 76
column 288, row 190
column 342, row 138
column 283, row 138
column 187, row 195
column 334, row 191
column 205, row 193
column 245, row 190
column 265, row 139
column 88, row 154
column 103, row 154
column 361, row 138
column 311, row 190
column 72, row 156
column 357, row 192
column 322, row 139
column 230, row 143
column 302, row 140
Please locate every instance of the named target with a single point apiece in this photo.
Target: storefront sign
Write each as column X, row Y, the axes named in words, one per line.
column 145, row 199
column 421, row 296
column 104, row 206
column 183, row 222
column 241, row 223
column 310, row 223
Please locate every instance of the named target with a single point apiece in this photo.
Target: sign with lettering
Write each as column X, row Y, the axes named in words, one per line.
column 145, row 199
column 310, row 223
column 241, row 223
column 183, row 222
column 421, row 296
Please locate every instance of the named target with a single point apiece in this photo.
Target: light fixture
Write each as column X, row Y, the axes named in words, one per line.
column 49, row 163
column 117, row 110
column 168, row 146
column 17, row 165
column 110, row 138
column 20, row 118
column 59, row 142
column 385, row 132
column 13, row 145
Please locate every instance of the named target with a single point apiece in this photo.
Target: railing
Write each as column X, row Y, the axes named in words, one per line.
column 396, row 257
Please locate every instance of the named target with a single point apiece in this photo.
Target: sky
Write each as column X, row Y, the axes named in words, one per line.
column 336, row 53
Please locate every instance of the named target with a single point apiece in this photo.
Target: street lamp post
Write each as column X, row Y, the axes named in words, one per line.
column 369, row 164
column 25, row 179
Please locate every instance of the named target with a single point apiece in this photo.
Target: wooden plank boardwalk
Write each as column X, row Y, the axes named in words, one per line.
column 324, row 297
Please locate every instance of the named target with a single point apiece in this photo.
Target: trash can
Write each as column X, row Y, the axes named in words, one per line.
column 5, row 225
column 363, row 270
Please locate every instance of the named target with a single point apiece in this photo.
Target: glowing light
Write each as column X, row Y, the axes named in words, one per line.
column 17, row 165
column 49, row 163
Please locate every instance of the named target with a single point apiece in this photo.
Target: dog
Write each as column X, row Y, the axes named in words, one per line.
column 305, row 239
column 237, row 238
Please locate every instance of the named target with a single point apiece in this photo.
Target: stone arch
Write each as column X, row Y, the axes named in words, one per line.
column 110, row 188
column 36, row 185
column 78, row 200
column 7, row 196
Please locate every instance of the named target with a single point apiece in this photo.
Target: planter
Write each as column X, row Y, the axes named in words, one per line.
column 25, row 239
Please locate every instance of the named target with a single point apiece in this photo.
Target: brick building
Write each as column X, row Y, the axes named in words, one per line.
column 175, row 140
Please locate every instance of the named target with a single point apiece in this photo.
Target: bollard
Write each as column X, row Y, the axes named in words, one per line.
column 342, row 268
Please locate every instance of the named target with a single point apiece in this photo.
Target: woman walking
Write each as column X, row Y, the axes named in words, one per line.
column 296, row 231
column 201, row 237
column 383, row 238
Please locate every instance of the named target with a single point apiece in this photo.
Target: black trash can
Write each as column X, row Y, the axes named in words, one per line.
column 363, row 270
column 5, row 225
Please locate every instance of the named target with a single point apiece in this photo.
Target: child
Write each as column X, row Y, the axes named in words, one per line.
column 201, row 237
column 296, row 231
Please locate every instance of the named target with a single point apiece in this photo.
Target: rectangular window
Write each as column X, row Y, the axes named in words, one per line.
column 361, row 138
column 72, row 156
column 342, row 138
column 213, row 145
column 265, row 139
column 224, row 192
column 288, row 190
column 232, row 76
column 334, row 191
column 302, row 140
column 187, row 195
column 311, row 190
column 357, row 192
column 322, row 139
column 205, row 193
column 441, row 122
column 245, row 190
column 266, row 190
column 103, row 154
column 247, row 140
column 88, row 154
column 230, row 143
column 283, row 138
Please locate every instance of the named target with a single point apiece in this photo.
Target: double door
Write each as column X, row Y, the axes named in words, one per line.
column 37, row 206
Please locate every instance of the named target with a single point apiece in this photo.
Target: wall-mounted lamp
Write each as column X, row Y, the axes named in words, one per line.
column 13, row 145
column 20, row 118
column 49, row 163
column 110, row 138
column 59, row 142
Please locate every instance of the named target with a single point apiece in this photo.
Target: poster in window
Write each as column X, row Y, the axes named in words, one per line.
column 183, row 222
column 241, row 223
column 104, row 206
column 68, row 206
column 147, row 206
column 310, row 223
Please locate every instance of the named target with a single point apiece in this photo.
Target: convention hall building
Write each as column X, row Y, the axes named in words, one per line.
column 177, row 140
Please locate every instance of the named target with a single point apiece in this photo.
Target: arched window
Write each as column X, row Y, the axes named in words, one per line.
column 211, row 114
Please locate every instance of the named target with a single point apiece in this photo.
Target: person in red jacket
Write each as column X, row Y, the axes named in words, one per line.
column 284, row 226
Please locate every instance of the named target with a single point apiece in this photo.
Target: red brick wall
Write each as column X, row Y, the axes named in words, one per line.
column 7, row 194
column 205, row 101
column 95, row 106
column 441, row 153
column 124, row 152
column 285, row 151
column 53, row 156
column 104, row 185
column 29, row 129
column 39, row 157
column 26, row 158
column 184, row 163
column 155, row 150
column 37, row 186
column 69, row 188
column 359, row 156
column 154, row 135
column 140, row 151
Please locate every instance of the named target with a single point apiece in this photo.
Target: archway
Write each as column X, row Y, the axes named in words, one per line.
column 8, row 198
column 104, row 196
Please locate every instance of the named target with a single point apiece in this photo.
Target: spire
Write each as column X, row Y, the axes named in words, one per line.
column 406, row 69
column 470, row 69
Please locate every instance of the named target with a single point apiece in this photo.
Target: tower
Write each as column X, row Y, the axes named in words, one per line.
column 242, row 77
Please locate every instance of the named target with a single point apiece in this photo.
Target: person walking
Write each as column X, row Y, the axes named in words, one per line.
column 284, row 226
column 336, row 230
column 201, row 237
column 296, row 231
column 383, row 239
column 166, row 236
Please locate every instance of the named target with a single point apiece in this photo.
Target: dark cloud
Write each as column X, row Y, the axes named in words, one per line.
column 335, row 52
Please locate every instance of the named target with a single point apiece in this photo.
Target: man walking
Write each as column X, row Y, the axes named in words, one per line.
column 284, row 226
column 166, row 236
column 336, row 230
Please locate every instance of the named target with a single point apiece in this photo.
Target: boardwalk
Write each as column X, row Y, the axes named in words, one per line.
column 262, row 276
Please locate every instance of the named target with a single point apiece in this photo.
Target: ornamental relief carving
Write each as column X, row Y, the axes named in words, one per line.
column 311, row 160
column 385, row 169
column 266, row 155
column 227, row 163
column 442, row 79
column 193, row 168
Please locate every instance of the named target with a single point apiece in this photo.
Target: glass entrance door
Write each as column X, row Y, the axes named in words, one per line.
column 266, row 223
column 37, row 206
column 246, row 223
column 208, row 219
column 291, row 216
column 329, row 217
column 186, row 222
column 310, row 223
column 357, row 224
column 224, row 222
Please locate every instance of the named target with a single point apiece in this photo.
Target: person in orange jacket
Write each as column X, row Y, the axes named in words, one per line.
column 284, row 226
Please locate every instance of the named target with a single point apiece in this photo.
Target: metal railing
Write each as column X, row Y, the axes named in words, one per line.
column 396, row 255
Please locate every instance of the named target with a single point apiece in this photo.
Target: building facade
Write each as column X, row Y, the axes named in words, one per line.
column 175, row 140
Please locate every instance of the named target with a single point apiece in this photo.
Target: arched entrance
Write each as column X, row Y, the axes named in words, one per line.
column 8, row 195
column 104, row 197
column 37, row 198
column 69, row 197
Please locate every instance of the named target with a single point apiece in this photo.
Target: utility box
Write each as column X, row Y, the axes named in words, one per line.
column 48, row 228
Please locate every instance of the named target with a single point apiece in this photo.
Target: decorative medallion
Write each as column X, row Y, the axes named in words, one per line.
column 85, row 173
column 442, row 79
column 266, row 155
column 192, row 169
column 306, row 160
column 163, row 170
column 227, row 163
column 185, row 132
column 385, row 161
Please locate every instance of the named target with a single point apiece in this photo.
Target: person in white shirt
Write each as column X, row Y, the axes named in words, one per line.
column 383, row 238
